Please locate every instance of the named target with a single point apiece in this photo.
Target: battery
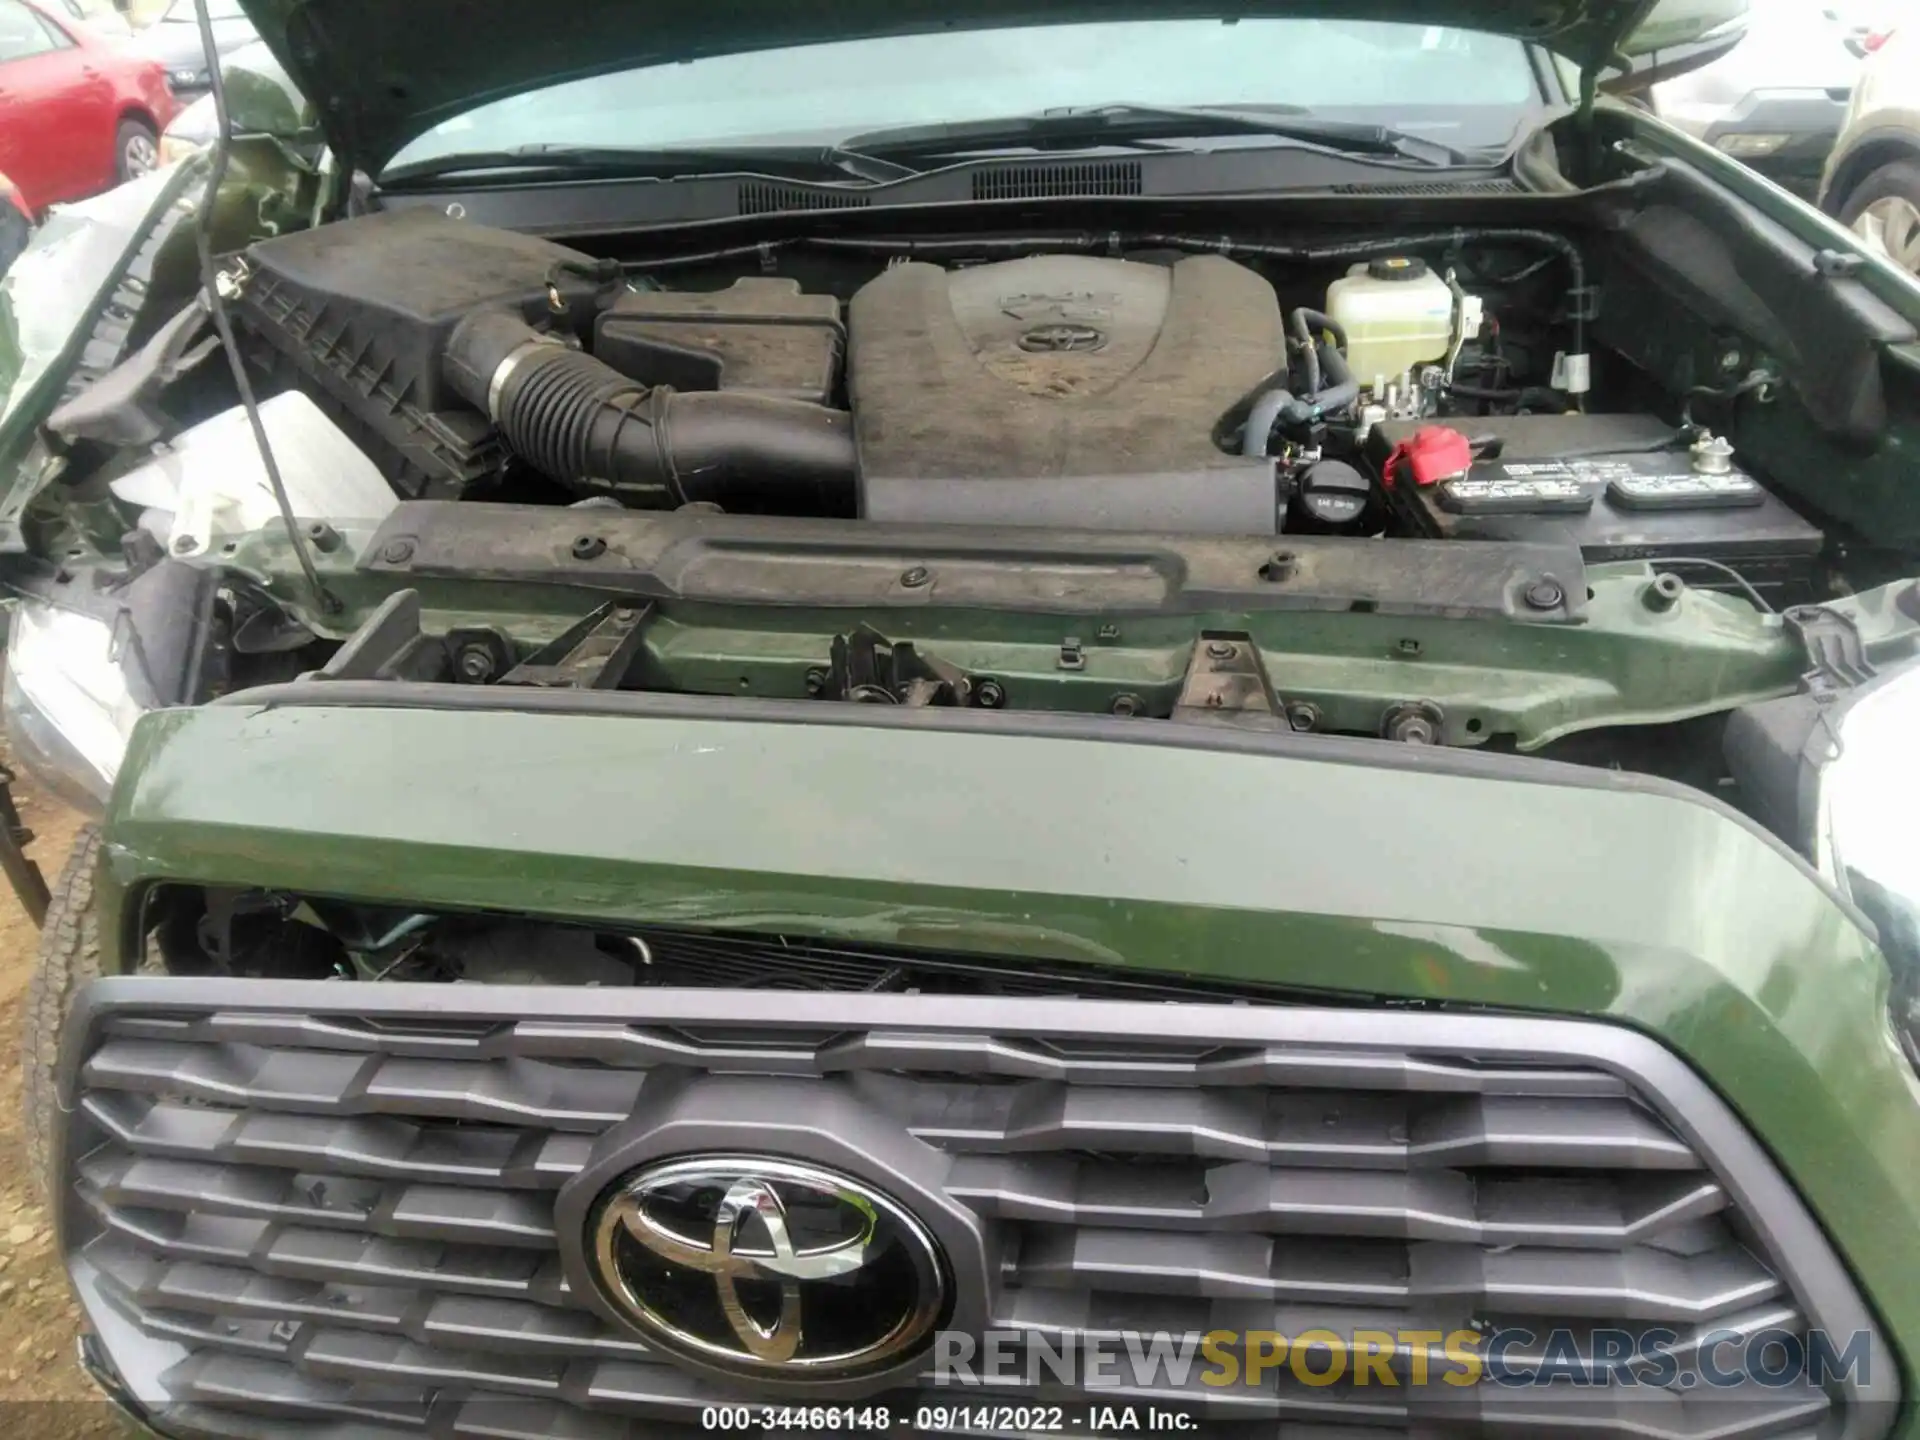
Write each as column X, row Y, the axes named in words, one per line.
column 1621, row 487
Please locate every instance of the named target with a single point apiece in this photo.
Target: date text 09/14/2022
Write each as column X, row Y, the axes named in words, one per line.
column 1099, row 1420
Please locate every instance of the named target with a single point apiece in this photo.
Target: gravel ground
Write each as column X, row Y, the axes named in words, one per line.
column 43, row 1393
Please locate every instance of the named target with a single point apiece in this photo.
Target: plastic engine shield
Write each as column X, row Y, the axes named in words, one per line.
column 1062, row 390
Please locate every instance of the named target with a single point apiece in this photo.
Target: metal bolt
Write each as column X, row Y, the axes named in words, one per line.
column 476, row 663
column 816, row 682
column 1663, row 593
column 1127, row 706
column 588, row 547
column 1413, row 724
column 397, row 552
column 1219, row 650
column 324, row 537
column 1412, row 730
column 1303, row 717
column 1279, row 568
column 185, row 545
column 915, row 577
column 1545, row 595
column 992, row 696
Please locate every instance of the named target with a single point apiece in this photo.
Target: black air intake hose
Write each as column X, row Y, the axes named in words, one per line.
column 594, row 430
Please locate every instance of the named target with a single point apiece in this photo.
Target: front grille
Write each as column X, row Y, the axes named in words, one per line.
column 331, row 1208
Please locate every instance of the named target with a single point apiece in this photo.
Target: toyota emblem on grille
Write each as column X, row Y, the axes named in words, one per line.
column 768, row 1268
column 1062, row 339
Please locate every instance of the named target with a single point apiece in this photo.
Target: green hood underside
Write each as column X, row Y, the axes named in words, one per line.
column 384, row 72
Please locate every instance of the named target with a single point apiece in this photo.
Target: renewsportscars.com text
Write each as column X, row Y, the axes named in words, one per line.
column 1511, row 1356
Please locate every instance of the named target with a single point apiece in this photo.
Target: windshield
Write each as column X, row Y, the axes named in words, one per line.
column 1460, row 87
column 182, row 12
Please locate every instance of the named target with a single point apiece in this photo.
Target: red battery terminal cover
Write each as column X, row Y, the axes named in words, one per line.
column 1435, row 453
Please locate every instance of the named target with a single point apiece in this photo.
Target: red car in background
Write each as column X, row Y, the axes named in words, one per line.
column 79, row 112
column 16, row 225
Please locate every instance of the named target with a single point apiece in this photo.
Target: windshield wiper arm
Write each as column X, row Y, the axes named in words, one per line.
column 1126, row 124
column 797, row 162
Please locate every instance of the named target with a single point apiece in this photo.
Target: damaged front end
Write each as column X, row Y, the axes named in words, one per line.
column 931, row 472
column 1249, row 755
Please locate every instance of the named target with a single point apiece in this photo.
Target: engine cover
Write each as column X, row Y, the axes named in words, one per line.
column 1062, row 390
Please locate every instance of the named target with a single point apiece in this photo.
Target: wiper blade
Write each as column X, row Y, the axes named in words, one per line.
column 799, row 162
column 1129, row 124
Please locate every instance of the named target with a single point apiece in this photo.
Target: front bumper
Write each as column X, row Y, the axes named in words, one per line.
column 1257, row 859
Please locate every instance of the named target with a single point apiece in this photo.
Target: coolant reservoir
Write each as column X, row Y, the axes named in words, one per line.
column 1397, row 313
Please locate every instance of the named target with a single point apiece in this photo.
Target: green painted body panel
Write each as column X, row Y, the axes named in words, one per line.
column 1532, row 681
column 1497, row 883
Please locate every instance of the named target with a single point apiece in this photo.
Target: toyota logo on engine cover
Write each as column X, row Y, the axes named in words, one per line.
column 1062, row 339
column 768, row 1267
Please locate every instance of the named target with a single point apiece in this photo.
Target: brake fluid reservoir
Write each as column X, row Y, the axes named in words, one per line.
column 1397, row 313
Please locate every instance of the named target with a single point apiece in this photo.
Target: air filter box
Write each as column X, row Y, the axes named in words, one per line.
column 761, row 335
column 358, row 313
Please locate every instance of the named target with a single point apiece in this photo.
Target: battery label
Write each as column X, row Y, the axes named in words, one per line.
column 1684, row 490
column 1562, row 487
column 1508, row 493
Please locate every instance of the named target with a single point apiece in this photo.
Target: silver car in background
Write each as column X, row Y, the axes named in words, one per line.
column 1778, row 99
column 1872, row 181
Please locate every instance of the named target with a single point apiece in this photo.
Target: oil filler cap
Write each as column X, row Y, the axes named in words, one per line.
column 1333, row 499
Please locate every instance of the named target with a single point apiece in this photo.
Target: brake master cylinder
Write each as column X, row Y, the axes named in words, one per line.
column 1398, row 316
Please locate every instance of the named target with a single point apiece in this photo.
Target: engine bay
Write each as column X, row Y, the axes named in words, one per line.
column 1477, row 474
column 1145, row 389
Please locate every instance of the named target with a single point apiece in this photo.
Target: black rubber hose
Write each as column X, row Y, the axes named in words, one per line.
column 1318, row 322
column 1309, row 353
column 598, row 432
column 1342, row 389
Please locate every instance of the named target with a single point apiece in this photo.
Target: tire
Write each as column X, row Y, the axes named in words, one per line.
column 136, row 150
column 1884, row 211
column 69, row 957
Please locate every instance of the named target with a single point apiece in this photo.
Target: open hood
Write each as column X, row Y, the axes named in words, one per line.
column 384, row 71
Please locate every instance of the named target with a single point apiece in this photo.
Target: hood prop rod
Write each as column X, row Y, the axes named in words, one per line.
column 215, row 286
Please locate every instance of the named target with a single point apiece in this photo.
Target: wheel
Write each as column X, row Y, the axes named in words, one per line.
column 1884, row 211
column 136, row 150
column 69, row 957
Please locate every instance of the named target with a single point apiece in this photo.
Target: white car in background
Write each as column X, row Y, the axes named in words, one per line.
column 261, row 98
column 195, row 128
column 99, row 16
column 1873, row 178
column 1863, row 19
column 1779, row 98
